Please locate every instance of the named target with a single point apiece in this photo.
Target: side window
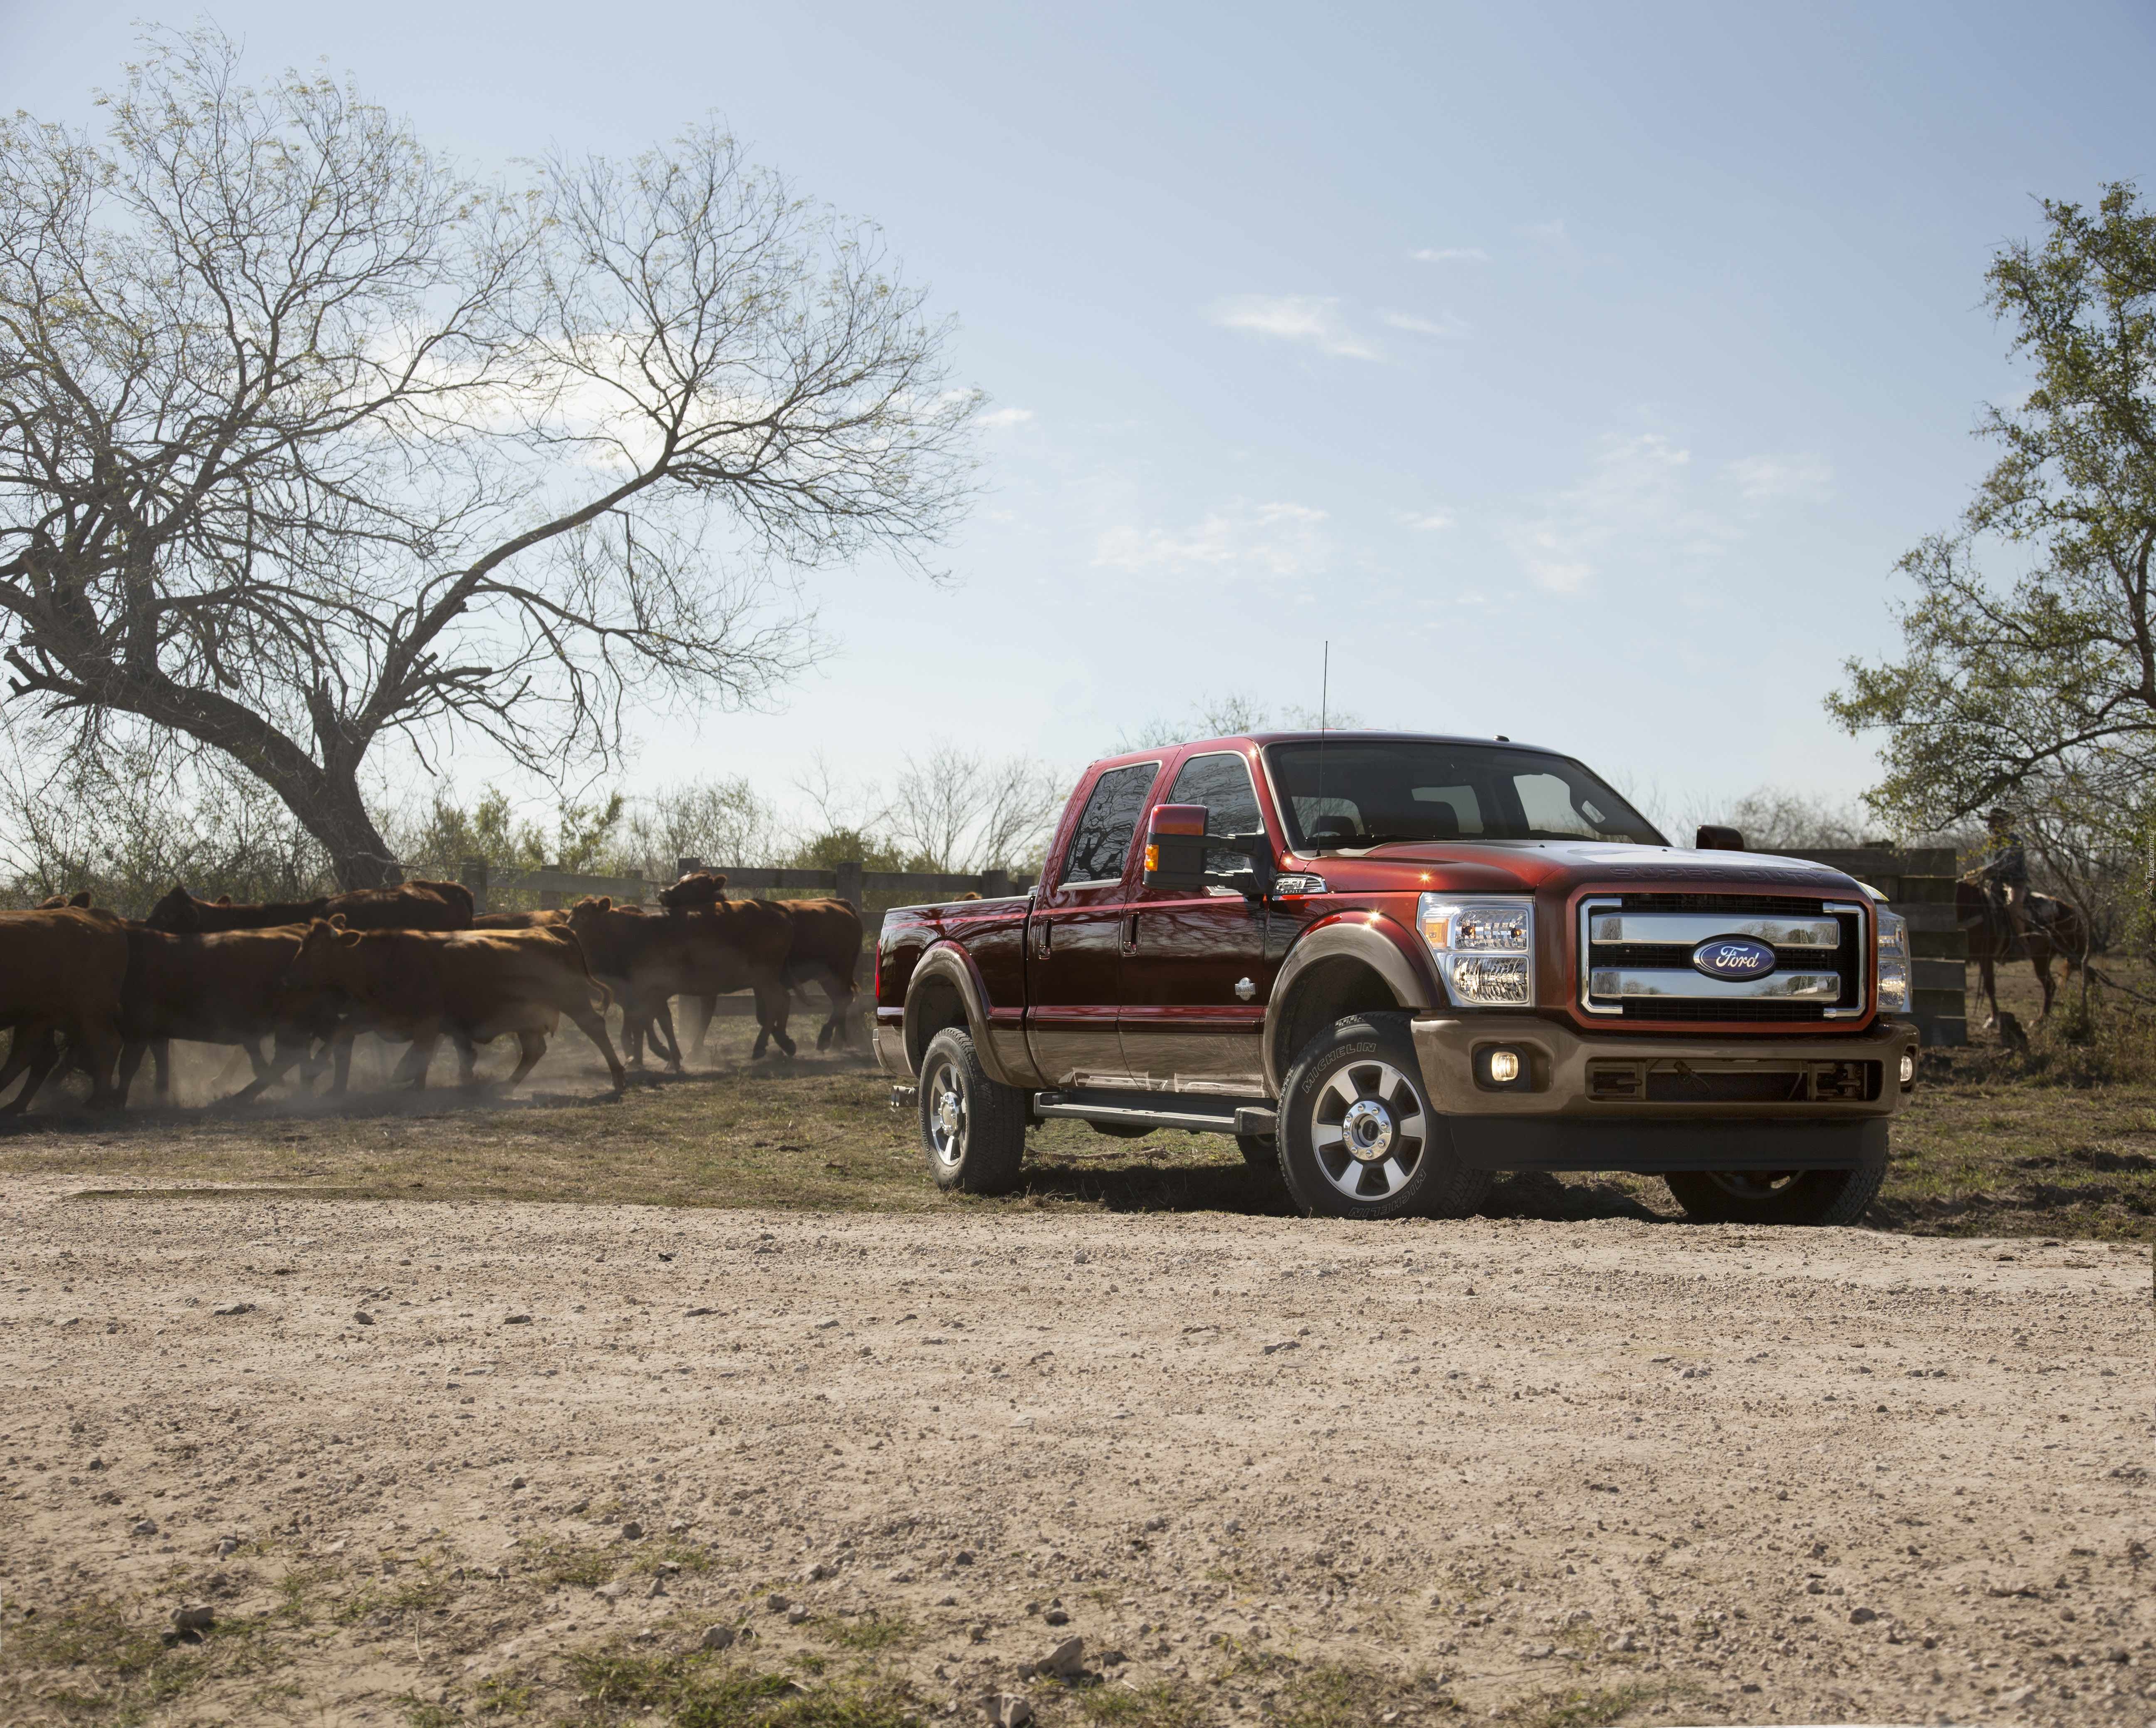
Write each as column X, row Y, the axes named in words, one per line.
column 1101, row 842
column 1222, row 783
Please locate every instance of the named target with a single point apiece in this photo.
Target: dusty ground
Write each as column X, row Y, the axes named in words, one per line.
column 1557, row 1472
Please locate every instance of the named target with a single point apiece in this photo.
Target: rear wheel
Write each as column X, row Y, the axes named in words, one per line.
column 972, row 1129
column 1358, row 1135
column 1779, row 1196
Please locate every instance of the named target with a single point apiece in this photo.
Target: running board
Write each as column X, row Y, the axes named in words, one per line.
column 1147, row 1110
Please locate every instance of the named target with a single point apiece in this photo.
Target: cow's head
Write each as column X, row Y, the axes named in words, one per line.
column 178, row 912
column 698, row 889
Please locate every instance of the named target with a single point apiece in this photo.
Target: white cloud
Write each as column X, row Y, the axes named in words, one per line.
column 1294, row 318
column 1005, row 417
column 1427, row 520
column 1451, row 254
column 1635, row 499
column 1770, row 479
column 1281, row 540
column 1445, row 325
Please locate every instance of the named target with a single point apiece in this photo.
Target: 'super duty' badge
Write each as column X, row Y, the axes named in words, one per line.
column 1733, row 957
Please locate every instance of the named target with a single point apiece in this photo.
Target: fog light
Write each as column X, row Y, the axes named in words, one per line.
column 1504, row 1066
column 1908, row 1068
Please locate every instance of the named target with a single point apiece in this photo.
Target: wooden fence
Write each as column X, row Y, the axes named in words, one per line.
column 1919, row 885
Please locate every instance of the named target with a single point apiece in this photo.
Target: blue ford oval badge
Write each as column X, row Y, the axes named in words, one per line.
column 1734, row 957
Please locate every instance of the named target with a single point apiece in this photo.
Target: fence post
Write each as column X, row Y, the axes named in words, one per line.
column 995, row 885
column 472, row 873
column 550, row 899
column 687, row 866
column 850, row 882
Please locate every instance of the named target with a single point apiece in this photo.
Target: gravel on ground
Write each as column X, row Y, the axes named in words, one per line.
column 431, row 1451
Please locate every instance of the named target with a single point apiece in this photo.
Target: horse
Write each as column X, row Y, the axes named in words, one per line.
column 2054, row 928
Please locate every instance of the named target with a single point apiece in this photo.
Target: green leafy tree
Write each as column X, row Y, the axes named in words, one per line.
column 2036, row 681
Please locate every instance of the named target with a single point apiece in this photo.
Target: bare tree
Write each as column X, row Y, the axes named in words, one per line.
column 306, row 443
column 722, row 822
column 958, row 810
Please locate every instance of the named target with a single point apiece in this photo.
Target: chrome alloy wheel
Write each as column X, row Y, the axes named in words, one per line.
column 947, row 1115
column 1368, row 1130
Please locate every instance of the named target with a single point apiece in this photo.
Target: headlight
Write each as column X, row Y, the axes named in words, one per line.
column 1484, row 950
column 1893, row 963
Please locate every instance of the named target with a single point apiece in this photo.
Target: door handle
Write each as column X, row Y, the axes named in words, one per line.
column 1130, row 934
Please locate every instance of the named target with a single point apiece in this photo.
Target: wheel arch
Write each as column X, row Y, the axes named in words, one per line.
column 945, row 990
column 1357, row 963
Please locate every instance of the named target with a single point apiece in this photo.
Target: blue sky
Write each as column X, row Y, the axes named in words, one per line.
column 1579, row 372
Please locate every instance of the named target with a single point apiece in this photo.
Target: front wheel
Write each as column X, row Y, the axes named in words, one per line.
column 1783, row 1197
column 972, row 1129
column 1359, row 1137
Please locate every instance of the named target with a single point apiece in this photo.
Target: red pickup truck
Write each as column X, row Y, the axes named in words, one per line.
column 1391, row 965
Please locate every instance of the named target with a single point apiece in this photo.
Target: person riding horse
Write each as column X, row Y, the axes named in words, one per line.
column 2004, row 875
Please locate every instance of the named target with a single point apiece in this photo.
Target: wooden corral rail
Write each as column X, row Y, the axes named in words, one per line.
column 1920, row 886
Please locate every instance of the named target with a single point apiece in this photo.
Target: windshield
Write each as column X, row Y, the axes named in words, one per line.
column 1347, row 795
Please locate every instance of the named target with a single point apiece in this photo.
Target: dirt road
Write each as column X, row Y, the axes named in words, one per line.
column 1451, row 1470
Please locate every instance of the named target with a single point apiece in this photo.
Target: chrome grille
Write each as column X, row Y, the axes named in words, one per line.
column 1635, row 957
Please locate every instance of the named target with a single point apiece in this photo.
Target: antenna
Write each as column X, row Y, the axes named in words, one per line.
column 1324, row 698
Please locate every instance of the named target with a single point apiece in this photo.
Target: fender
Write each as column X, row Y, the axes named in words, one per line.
column 1377, row 941
column 947, row 960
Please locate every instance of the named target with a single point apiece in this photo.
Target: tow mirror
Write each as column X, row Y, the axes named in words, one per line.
column 1175, row 848
column 1711, row 838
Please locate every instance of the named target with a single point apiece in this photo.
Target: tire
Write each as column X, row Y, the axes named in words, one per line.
column 1809, row 1197
column 1358, row 1135
column 972, row 1129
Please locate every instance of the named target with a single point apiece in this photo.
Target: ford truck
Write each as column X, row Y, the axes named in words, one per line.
column 1391, row 965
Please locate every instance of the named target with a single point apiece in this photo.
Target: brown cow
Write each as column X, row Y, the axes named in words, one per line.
column 732, row 945
column 474, row 985
column 416, row 906
column 825, row 950
column 698, row 890
column 222, row 988
column 60, row 971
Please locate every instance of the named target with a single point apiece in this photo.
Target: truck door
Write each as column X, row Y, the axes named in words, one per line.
column 1075, row 937
column 1196, row 975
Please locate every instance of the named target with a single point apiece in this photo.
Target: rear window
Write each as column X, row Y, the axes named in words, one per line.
column 1101, row 842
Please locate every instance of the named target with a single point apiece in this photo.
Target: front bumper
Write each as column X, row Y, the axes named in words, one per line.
column 1658, row 1105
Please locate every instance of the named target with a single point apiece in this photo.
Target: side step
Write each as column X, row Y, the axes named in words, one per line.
column 1193, row 1113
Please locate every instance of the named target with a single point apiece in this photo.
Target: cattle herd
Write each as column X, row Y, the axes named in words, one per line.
column 293, row 984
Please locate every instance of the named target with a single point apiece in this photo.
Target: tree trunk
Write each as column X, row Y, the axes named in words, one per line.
column 330, row 808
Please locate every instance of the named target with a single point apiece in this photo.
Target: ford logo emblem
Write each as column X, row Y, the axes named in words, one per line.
column 1734, row 957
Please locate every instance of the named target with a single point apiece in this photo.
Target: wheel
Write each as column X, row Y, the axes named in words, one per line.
column 1261, row 1151
column 972, row 1128
column 1780, row 1197
column 1358, row 1136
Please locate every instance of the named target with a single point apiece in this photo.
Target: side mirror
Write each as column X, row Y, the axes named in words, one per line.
column 1175, row 848
column 1711, row 838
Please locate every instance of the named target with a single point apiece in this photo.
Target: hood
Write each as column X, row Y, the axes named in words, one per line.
column 1524, row 866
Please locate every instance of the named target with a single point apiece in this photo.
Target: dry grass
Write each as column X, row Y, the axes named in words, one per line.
column 2061, row 1140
